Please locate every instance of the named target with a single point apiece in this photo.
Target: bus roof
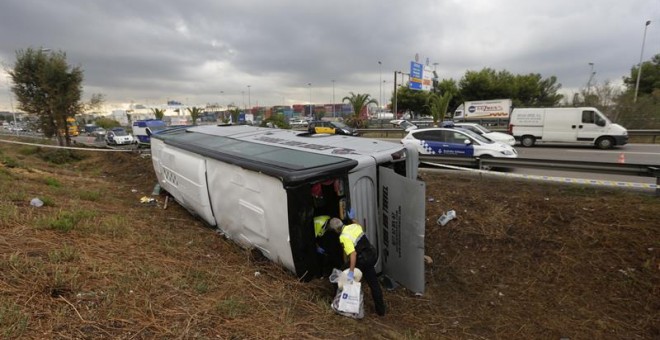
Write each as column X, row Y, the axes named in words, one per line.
column 291, row 155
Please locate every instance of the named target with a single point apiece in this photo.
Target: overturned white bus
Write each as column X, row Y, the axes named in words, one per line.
column 262, row 188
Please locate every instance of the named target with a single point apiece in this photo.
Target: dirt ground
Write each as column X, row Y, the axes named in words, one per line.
column 522, row 260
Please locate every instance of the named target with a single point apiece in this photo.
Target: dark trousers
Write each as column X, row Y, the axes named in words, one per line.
column 332, row 258
column 369, row 275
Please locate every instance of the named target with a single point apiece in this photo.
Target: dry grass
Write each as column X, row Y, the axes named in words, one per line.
column 522, row 260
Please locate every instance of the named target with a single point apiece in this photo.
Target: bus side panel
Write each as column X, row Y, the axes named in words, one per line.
column 251, row 209
column 403, row 222
column 364, row 201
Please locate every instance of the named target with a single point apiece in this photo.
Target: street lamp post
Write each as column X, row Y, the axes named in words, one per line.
column 311, row 109
column 383, row 83
column 333, row 99
column 394, row 100
column 641, row 55
column 380, row 83
column 11, row 105
column 220, row 105
column 591, row 77
column 249, row 100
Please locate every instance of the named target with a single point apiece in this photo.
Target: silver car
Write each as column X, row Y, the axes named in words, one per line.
column 492, row 135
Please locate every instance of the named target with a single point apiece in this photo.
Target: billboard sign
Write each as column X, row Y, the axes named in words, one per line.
column 416, row 74
column 427, row 78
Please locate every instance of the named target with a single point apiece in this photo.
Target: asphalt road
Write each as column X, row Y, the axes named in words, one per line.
column 631, row 153
column 647, row 154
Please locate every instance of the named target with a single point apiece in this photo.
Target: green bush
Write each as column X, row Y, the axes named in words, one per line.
column 60, row 156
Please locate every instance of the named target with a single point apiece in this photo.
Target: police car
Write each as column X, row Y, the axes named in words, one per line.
column 119, row 136
column 456, row 142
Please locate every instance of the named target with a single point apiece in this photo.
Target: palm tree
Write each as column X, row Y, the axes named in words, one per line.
column 158, row 113
column 358, row 102
column 234, row 113
column 194, row 112
column 438, row 105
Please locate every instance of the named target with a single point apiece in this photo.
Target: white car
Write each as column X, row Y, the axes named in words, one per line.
column 297, row 123
column 406, row 125
column 119, row 136
column 456, row 142
column 492, row 135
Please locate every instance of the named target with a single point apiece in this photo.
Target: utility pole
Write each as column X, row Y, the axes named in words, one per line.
column 333, row 99
column 394, row 104
column 641, row 55
column 380, row 83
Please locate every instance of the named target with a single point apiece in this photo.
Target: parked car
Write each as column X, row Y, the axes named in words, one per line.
column 298, row 123
column 406, row 125
column 95, row 131
column 456, row 142
column 119, row 136
column 492, row 135
column 338, row 128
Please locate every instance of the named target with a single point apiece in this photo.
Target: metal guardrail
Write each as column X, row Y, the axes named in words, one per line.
column 642, row 170
column 401, row 133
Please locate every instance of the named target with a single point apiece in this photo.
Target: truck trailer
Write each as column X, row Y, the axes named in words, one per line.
column 483, row 110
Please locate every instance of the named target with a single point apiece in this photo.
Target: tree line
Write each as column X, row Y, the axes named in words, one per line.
column 532, row 90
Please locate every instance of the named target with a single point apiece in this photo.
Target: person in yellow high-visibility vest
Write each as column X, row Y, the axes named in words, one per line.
column 361, row 254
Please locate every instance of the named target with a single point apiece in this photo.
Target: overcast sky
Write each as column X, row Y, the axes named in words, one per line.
column 210, row 51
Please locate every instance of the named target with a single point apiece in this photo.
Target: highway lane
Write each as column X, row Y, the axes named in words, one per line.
column 632, row 153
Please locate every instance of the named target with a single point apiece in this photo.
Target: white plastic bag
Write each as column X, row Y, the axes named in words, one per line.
column 35, row 202
column 350, row 299
column 335, row 306
column 340, row 277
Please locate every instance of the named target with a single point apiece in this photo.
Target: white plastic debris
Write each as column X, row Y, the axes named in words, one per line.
column 446, row 217
column 35, row 202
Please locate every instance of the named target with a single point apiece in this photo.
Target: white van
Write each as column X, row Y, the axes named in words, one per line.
column 575, row 125
column 262, row 188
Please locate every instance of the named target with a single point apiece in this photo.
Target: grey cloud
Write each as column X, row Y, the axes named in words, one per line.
column 151, row 50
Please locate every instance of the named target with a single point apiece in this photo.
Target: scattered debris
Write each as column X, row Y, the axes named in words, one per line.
column 35, row 202
column 147, row 200
column 156, row 191
column 428, row 259
column 134, row 190
column 446, row 217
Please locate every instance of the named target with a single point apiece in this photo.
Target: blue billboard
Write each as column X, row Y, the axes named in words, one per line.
column 416, row 74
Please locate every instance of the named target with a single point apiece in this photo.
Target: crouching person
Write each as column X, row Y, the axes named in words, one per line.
column 361, row 254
